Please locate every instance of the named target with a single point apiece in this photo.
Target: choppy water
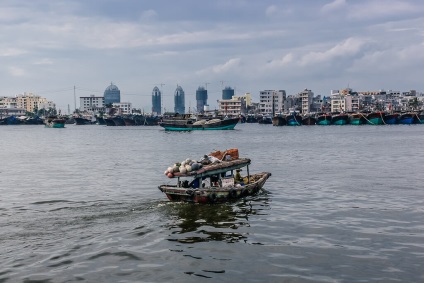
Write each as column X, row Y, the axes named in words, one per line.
column 343, row 204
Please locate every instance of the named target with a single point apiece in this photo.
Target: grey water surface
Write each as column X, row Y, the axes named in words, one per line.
column 343, row 204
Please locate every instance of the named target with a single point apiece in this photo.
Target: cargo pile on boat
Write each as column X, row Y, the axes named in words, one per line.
column 190, row 166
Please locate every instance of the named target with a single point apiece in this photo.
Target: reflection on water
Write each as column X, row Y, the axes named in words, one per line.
column 191, row 223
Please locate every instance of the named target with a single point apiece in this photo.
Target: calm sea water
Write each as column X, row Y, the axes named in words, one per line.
column 343, row 204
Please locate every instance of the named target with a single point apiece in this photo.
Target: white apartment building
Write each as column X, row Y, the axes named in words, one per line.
column 123, row 107
column 306, row 97
column 91, row 103
column 8, row 102
column 271, row 101
column 247, row 98
column 231, row 107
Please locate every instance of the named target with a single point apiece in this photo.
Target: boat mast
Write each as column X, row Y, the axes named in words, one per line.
column 75, row 101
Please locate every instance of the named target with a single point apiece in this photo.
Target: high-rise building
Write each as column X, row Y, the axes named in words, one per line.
column 227, row 93
column 179, row 100
column 156, row 101
column 112, row 94
column 201, row 99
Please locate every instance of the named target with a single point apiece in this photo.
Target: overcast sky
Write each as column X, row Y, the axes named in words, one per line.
column 48, row 47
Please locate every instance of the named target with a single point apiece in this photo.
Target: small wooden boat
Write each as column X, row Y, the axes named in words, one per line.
column 54, row 122
column 215, row 183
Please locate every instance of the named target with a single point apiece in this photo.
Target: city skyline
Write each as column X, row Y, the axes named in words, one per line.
column 49, row 47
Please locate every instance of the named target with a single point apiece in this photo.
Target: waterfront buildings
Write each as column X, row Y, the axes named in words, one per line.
column 306, row 98
column 91, row 103
column 31, row 102
column 271, row 102
column 123, row 107
column 156, row 101
column 112, row 94
column 179, row 100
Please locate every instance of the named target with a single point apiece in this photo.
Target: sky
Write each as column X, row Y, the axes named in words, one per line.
column 49, row 47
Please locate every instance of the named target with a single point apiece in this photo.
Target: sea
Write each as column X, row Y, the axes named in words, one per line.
column 81, row 204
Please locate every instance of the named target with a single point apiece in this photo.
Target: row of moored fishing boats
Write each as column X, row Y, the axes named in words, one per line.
column 372, row 118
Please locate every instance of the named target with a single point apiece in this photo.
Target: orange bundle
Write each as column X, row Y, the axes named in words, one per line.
column 233, row 153
column 217, row 154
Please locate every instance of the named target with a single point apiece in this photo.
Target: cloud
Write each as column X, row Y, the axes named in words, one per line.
column 284, row 61
column 276, row 12
column 44, row 61
column 271, row 10
column 347, row 48
column 221, row 68
column 16, row 71
column 333, row 6
column 382, row 9
column 10, row 52
column 148, row 15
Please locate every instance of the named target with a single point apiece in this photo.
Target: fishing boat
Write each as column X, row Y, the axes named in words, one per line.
column 54, row 122
column 294, row 119
column 324, row 119
column 357, row 119
column 309, row 120
column 407, row 118
column 391, row 118
column 339, row 119
column 419, row 117
column 251, row 118
column 190, row 123
column 265, row 119
column 375, row 118
column 214, row 182
column 279, row 120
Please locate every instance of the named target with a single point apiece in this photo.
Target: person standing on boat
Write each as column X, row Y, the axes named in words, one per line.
column 237, row 177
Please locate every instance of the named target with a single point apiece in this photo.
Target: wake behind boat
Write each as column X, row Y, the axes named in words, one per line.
column 215, row 178
column 189, row 123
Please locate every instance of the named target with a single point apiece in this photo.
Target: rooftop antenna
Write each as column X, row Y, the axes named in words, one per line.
column 206, row 85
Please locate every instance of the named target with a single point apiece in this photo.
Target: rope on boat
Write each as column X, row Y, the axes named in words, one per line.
column 418, row 117
column 367, row 119
column 382, row 119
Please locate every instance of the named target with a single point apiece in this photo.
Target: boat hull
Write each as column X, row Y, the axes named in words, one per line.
column 339, row 119
column 215, row 195
column 357, row 119
column 406, row 119
column 279, row 121
column 309, row 121
column 221, row 125
column 324, row 120
column 391, row 119
column 376, row 118
column 294, row 120
column 56, row 125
